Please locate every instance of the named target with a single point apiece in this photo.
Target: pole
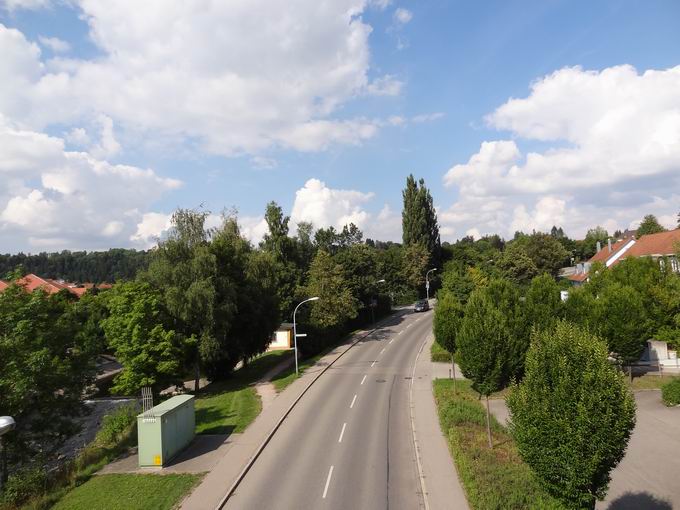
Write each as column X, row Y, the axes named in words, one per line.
column 3, row 465
column 295, row 340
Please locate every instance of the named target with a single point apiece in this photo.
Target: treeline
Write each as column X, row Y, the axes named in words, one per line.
column 79, row 266
column 506, row 325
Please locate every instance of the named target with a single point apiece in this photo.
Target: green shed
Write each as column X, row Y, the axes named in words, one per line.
column 165, row 430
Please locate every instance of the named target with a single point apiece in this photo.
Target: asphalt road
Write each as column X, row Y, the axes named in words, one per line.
column 348, row 443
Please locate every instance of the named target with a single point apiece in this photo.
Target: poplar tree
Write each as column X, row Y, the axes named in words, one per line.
column 419, row 219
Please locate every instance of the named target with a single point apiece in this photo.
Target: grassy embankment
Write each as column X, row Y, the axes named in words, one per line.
column 129, row 492
column 493, row 479
column 231, row 405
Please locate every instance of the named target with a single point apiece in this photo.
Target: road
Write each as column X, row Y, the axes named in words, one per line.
column 348, row 444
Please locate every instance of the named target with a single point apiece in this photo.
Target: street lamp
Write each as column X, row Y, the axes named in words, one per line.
column 7, row 424
column 427, row 283
column 295, row 335
column 373, row 307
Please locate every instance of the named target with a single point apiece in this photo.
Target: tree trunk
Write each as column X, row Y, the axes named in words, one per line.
column 488, row 422
column 453, row 365
column 197, row 377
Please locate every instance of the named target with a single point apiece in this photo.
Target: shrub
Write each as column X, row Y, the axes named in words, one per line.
column 22, row 485
column 670, row 393
column 115, row 425
column 572, row 414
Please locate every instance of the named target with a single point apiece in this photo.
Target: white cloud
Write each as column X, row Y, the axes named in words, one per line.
column 55, row 44
column 263, row 163
column 246, row 75
column 613, row 155
column 402, row 16
column 150, row 228
column 52, row 198
column 253, row 228
column 325, row 206
column 15, row 5
column 427, row 117
column 380, row 4
column 387, row 85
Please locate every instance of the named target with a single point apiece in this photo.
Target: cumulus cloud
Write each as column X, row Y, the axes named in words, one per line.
column 613, row 155
column 55, row 44
column 52, row 198
column 245, row 75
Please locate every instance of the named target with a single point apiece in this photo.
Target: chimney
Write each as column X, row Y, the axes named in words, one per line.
column 599, row 247
column 609, row 242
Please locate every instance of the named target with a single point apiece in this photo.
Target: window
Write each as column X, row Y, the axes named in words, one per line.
column 675, row 267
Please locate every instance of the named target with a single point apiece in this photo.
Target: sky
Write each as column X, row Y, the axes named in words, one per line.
column 519, row 115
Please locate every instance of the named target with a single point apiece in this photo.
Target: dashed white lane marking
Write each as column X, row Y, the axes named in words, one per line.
column 342, row 432
column 362, row 381
column 353, row 400
column 382, row 350
column 392, row 340
column 373, row 364
column 401, row 332
column 328, row 482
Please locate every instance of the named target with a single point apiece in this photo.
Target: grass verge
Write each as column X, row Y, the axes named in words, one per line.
column 129, row 492
column 231, row 405
column 651, row 382
column 493, row 479
column 439, row 354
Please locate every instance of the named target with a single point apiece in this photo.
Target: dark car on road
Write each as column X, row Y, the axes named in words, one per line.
column 421, row 306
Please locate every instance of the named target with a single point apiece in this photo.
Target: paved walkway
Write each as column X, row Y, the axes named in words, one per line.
column 647, row 477
column 265, row 388
column 443, row 488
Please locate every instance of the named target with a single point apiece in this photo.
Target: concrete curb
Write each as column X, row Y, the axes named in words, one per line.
column 421, row 476
column 266, row 440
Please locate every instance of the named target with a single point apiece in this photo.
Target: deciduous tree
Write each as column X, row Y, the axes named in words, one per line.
column 572, row 414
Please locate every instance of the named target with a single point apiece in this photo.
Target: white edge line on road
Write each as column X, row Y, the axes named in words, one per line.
column 364, row 379
column 342, row 432
column 328, row 482
column 413, row 428
column 353, row 400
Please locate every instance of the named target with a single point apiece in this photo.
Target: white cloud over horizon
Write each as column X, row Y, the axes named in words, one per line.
column 612, row 156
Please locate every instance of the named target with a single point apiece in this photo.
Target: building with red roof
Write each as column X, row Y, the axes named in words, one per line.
column 661, row 246
column 31, row 282
column 3, row 285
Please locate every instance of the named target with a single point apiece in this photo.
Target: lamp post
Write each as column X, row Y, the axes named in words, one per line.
column 295, row 335
column 382, row 280
column 427, row 283
column 7, row 424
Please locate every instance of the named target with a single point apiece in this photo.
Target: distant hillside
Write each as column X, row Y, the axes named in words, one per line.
column 79, row 266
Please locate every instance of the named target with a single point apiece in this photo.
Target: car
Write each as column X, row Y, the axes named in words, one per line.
column 421, row 306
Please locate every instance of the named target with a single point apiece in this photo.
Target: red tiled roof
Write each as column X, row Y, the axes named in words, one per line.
column 578, row 277
column 3, row 285
column 663, row 243
column 604, row 254
column 31, row 282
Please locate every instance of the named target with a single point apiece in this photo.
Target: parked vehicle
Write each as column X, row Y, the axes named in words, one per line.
column 421, row 306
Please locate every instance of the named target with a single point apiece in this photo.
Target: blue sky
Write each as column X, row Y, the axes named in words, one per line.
column 347, row 95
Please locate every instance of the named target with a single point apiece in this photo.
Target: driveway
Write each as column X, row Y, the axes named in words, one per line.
column 647, row 478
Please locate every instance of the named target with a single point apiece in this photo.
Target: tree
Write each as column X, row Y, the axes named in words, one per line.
column 448, row 315
column 327, row 280
column 621, row 321
column 46, row 364
column 649, row 225
column 588, row 247
column 572, row 415
column 516, row 265
column 419, row 218
column 543, row 302
column 546, row 252
column 139, row 330
column 487, row 343
column 184, row 269
column 416, row 261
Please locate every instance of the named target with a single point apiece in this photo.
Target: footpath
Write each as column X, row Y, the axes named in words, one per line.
column 212, row 491
column 441, row 483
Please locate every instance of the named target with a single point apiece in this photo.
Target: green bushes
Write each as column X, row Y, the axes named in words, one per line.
column 439, row 354
column 670, row 393
column 494, row 479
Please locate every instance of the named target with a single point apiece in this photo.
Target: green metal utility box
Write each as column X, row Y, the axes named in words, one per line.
column 165, row 430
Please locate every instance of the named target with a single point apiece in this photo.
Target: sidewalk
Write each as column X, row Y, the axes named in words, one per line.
column 219, row 480
column 442, row 486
